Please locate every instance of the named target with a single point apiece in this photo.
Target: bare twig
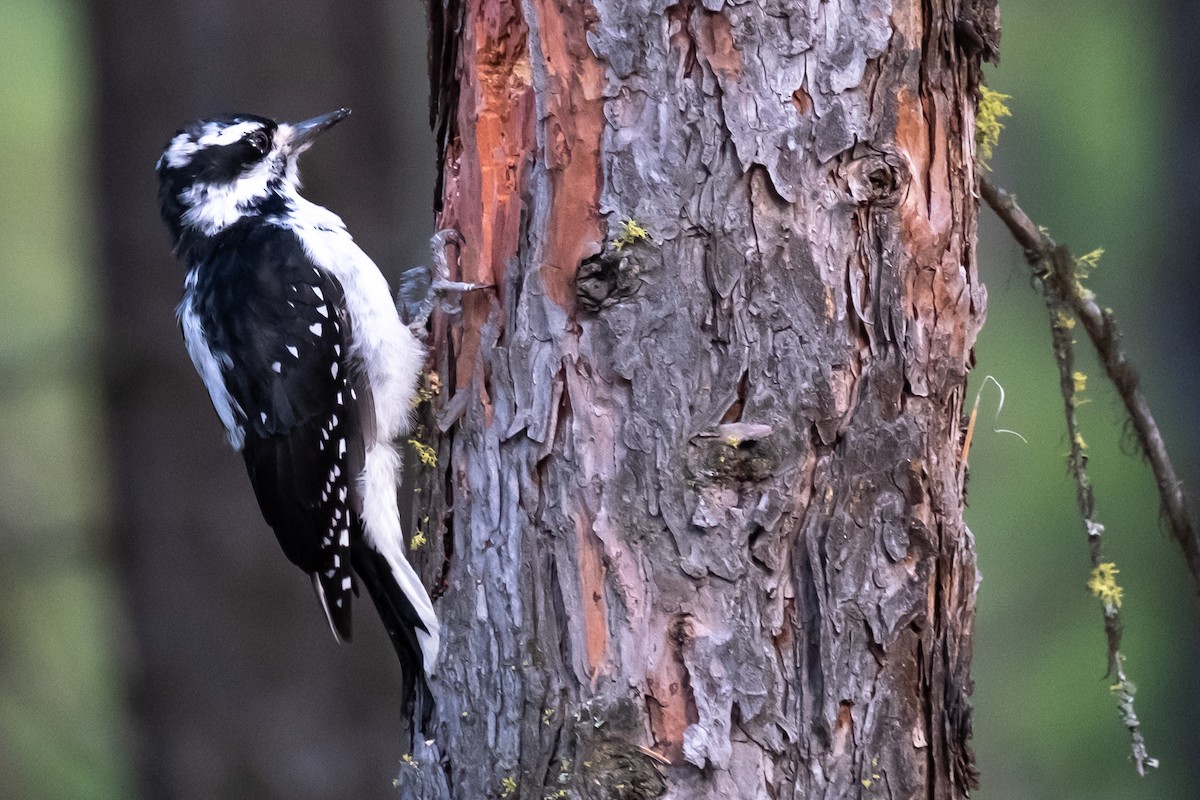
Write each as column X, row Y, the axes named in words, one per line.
column 1068, row 301
column 1056, row 268
column 1061, row 325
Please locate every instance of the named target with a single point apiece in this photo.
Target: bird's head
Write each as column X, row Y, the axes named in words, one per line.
column 217, row 171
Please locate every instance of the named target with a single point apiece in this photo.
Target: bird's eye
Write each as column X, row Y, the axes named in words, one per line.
column 258, row 140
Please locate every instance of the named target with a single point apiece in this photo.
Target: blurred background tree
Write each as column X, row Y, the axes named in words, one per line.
column 153, row 642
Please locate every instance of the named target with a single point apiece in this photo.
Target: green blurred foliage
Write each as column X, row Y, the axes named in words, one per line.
column 1083, row 151
column 1086, row 153
column 60, row 720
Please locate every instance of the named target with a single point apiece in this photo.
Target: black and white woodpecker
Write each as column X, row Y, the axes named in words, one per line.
column 294, row 333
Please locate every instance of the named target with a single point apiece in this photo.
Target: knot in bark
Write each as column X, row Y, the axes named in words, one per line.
column 603, row 280
column 733, row 453
column 875, row 178
column 611, row 765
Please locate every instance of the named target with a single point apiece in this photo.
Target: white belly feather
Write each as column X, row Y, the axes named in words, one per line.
column 392, row 358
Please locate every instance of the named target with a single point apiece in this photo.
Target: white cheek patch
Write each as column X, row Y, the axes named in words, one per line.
column 213, row 206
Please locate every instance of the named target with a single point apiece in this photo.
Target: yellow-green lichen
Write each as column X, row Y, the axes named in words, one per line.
column 1089, row 261
column 1103, row 584
column 1063, row 320
column 631, row 232
column 427, row 389
column 418, row 540
column 424, row 452
column 988, row 113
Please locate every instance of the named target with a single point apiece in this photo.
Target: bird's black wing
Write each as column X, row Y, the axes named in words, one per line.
column 283, row 325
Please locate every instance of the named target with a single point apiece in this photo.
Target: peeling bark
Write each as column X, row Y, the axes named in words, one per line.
column 697, row 517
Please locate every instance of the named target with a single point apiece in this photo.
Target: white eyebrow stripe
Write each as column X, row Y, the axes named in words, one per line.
column 216, row 134
column 181, row 150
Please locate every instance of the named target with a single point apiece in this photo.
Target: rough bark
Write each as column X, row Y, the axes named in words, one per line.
column 697, row 516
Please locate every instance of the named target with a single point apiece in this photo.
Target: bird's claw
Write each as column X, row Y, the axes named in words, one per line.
column 421, row 286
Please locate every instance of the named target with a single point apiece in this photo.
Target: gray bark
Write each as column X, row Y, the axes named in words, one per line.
column 696, row 522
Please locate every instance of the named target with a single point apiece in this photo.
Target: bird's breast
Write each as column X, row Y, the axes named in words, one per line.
column 387, row 350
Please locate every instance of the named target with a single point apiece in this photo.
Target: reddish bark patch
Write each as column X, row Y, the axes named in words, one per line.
column 843, row 729
column 802, row 101
column 590, row 566
column 670, row 702
column 937, row 283
column 571, row 138
column 912, row 139
column 486, row 171
column 716, row 43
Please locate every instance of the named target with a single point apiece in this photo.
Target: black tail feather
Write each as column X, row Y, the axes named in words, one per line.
column 401, row 622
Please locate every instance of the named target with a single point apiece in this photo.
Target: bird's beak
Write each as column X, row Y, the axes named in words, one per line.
column 303, row 133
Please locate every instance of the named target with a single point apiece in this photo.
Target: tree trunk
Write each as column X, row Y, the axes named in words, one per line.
column 697, row 514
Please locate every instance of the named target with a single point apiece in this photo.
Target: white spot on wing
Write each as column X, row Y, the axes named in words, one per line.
column 275, row 365
column 315, row 328
column 291, row 348
column 390, row 360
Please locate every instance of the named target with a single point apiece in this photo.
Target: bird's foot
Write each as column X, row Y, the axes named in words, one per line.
column 420, row 287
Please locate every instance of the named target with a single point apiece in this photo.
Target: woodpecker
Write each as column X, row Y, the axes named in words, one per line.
column 293, row 331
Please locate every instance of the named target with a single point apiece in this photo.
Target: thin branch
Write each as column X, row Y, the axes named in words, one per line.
column 1061, row 326
column 1067, row 302
column 1056, row 268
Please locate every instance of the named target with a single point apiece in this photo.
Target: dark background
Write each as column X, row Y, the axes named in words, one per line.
column 154, row 641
